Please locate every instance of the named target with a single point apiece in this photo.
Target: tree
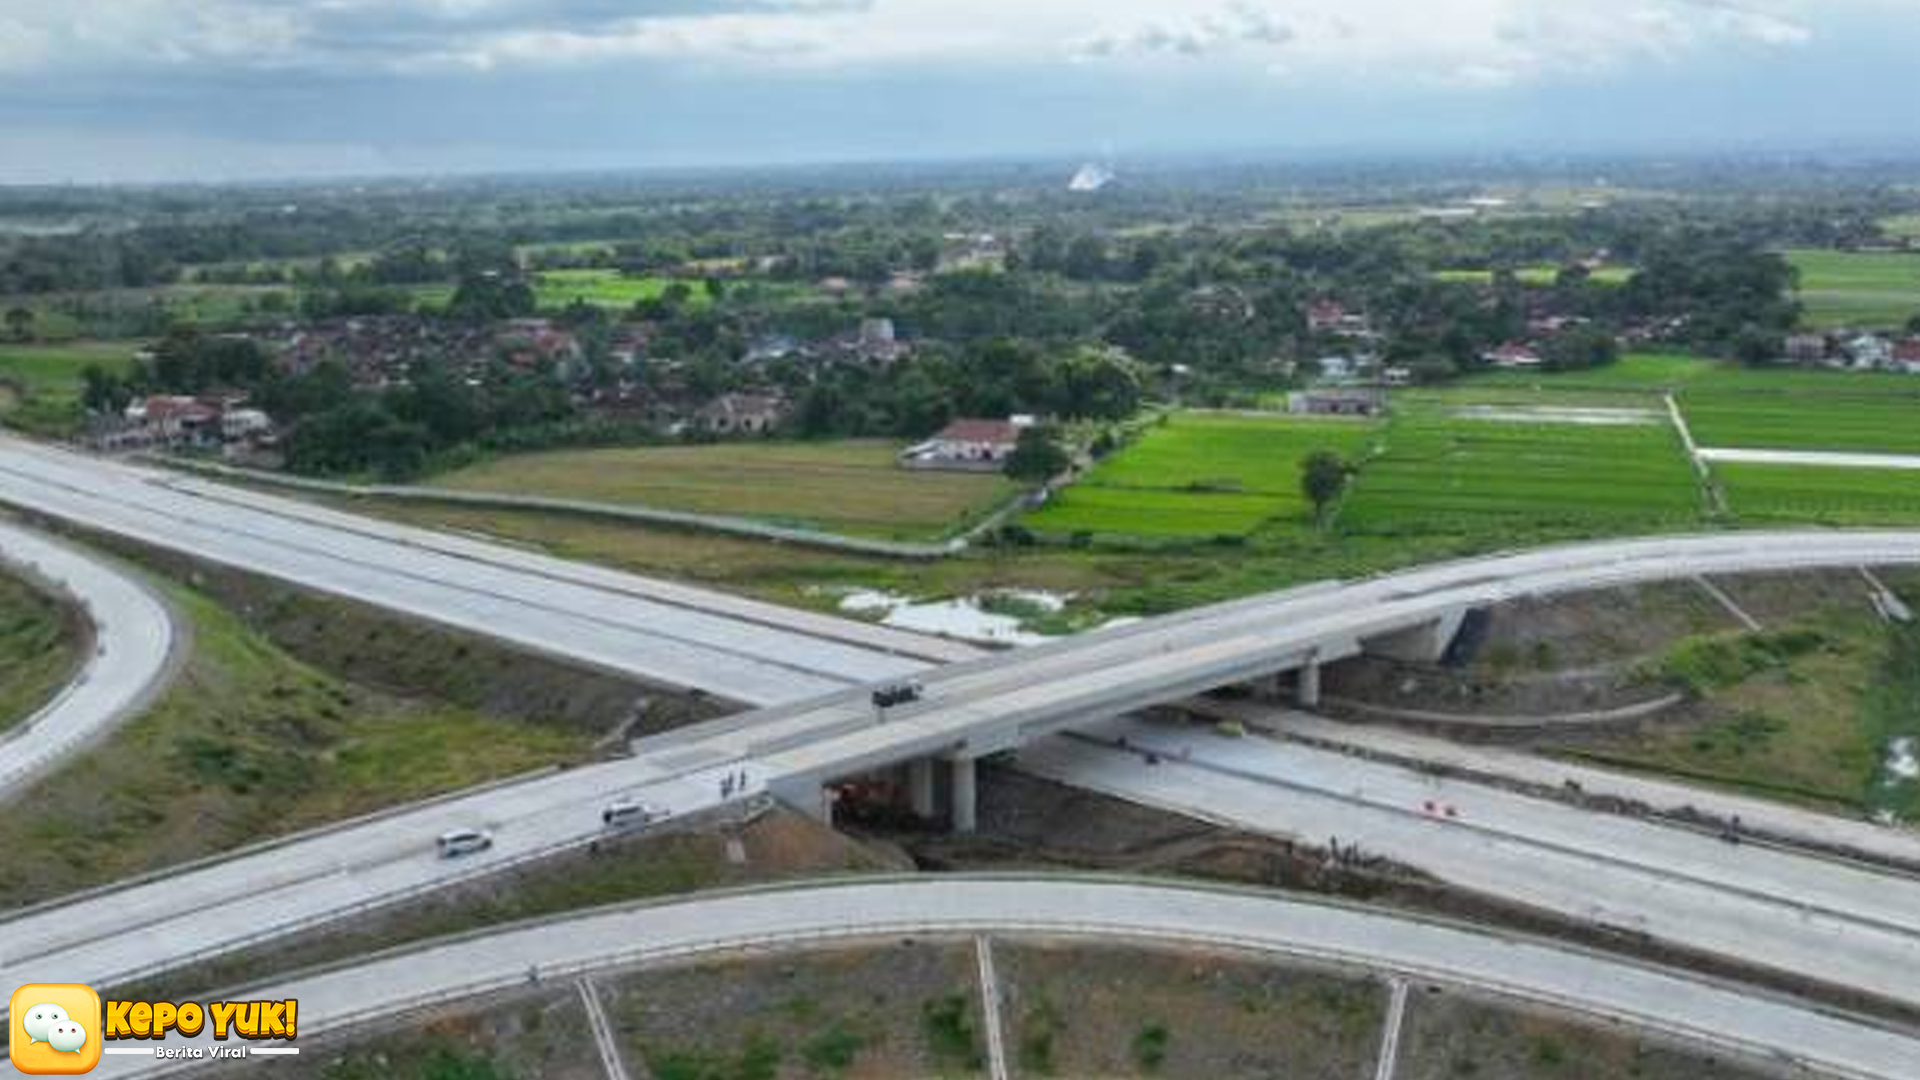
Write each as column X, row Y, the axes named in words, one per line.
column 1323, row 476
column 103, row 392
column 1581, row 349
column 1755, row 347
column 20, row 323
column 1037, row 457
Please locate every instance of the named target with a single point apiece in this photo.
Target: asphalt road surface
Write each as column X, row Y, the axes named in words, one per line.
column 1722, row 1018
column 133, row 640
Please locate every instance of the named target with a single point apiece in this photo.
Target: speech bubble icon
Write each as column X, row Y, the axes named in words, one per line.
column 67, row 1037
column 40, row 1019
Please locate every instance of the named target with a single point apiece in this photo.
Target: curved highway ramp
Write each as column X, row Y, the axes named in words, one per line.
column 1718, row 1017
column 133, row 641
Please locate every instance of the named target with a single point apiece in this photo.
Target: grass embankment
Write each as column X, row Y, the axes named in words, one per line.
column 853, row 487
column 1088, row 1010
column 1857, row 288
column 248, row 743
column 1451, row 1036
column 40, row 385
column 40, row 644
column 1804, row 710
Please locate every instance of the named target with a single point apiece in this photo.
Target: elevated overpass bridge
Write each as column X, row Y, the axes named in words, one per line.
column 813, row 675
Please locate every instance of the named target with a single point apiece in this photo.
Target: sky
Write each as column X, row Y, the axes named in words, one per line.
column 166, row 90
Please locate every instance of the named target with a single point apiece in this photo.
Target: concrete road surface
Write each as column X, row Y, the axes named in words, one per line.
column 1804, row 915
column 1718, row 1017
column 736, row 649
column 751, row 652
column 133, row 641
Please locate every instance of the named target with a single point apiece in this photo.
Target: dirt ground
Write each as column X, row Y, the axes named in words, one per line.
column 1456, row 1037
column 1080, row 1011
column 543, row 1035
column 908, row 1009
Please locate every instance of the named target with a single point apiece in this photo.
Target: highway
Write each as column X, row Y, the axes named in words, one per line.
column 739, row 650
column 1795, row 913
column 1716, row 1016
column 133, row 641
column 977, row 705
column 1784, row 821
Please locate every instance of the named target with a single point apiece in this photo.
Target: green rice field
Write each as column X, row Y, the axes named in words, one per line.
column 1886, row 424
column 606, row 288
column 1538, row 277
column 1782, row 494
column 1200, row 475
column 1867, row 289
column 1441, row 472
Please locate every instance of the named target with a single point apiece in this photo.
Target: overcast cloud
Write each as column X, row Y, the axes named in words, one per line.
column 137, row 89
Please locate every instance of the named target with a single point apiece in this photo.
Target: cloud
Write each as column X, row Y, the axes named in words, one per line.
column 1403, row 39
column 1240, row 25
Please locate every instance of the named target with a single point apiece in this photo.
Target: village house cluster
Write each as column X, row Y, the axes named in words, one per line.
column 1856, row 352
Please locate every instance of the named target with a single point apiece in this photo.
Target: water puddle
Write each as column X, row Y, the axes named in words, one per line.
column 996, row 618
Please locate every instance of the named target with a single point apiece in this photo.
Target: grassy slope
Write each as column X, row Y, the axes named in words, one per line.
column 1200, row 475
column 1858, row 288
column 39, row 650
column 852, row 487
column 1801, row 711
column 248, row 744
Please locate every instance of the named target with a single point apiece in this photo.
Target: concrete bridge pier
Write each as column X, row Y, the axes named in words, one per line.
column 1426, row 643
column 965, row 794
column 812, row 799
column 920, row 793
column 1306, row 686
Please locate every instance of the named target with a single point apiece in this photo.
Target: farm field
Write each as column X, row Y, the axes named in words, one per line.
column 134, row 313
column 1441, row 471
column 1905, row 225
column 1682, row 373
column 1779, row 494
column 1541, row 276
column 1884, row 423
column 40, row 384
column 1634, row 372
column 1871, row 289
column 1200, row 475
column 851, row 487
column 606, row 288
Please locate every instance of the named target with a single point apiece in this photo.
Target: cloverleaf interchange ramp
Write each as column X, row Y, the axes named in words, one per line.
column 133, row 639
column 813, row 672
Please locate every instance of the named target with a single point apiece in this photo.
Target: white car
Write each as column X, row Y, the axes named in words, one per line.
column 460, row 842
column 625, row 813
